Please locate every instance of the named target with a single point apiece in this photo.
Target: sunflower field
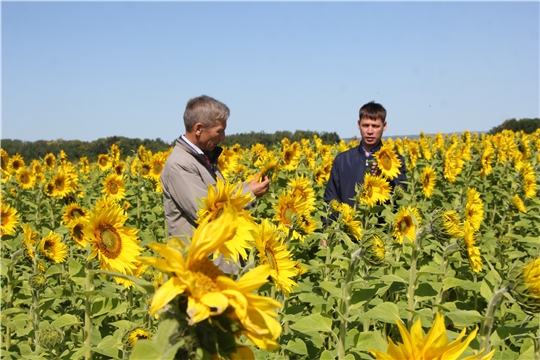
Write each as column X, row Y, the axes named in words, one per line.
column 447, row 269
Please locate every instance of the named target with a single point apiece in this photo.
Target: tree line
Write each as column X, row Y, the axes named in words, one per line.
column 528, row 126
column 75, row 149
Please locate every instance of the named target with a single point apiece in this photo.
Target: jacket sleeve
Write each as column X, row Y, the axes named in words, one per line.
column 186, row 184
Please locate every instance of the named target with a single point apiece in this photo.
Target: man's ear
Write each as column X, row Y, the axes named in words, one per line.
column 384, row 125
column 197, row 128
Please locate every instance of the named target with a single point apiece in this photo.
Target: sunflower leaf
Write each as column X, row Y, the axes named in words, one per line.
column 144, row 285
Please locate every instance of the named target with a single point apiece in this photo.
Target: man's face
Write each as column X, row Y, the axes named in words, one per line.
column 211, row 136
column 371, row 131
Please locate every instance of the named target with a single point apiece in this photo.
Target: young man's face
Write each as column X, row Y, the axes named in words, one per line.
column 371, row 131
column 210, row 137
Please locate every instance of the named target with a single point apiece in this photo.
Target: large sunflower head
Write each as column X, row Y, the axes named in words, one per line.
column 220, row 196
column 52, row 247
column 287, row 209
column 406, row 224
column 157, row 163
column 272, row 250
column 104, row 162
column 434, row 345
column 16, row 163
column 116, row 246
column 26, row 178
column 8, row 219
column 114, row 187
column 72, row 212
column 474, row 209
column 388, row 162
column 300, row 186
column 60, row 185
column 374, row 190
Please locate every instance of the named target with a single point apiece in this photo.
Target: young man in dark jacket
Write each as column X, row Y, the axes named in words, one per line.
column 349, row 167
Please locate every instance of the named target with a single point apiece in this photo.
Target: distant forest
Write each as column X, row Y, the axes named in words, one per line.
column 75, row 149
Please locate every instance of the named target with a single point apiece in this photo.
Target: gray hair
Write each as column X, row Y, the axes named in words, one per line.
column 204, row 110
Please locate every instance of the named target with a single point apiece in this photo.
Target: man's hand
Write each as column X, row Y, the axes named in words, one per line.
column 375, row 171
column 259, row 188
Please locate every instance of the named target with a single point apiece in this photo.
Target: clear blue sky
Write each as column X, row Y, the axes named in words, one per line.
column 88, row 70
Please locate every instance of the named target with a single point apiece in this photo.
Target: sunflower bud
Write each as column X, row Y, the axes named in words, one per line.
column 135, row 334
column 446, row 224
column 38, row 282
column 375, row 250
column 525, row 281
column 51, row 338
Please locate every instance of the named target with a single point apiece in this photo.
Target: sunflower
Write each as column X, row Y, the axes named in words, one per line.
column 53, row 248
column 254, row 312
column 115, row 245
column 487, row 159
column 406, row 224
column 300, row 186
column 76, row 232
column 30, row 239
column 137, row 334
column 427, row 181
column 288, row 209
column 519, row 204
column 8, row 219
column 119, row 167
column 388, row 162
column 221, row 195
column 60, row 185
column 157, row 163
column 49, row 161
column 529, row 180
column 72, row 212
column 210, row 293
column 473, row 253
column 114, row 150
column 104, row 162
column 453, row 163
column 431, row 347
column 452, row 223
column 374, row 190
column 474, row 209
column 84, row 165
column 16, row 162
column 4, row 160
column 114, row 187
column 349, row 219
column 531, row 274
column 273, row 251
column 290, row 155
column 270, row 169
column 26, row 178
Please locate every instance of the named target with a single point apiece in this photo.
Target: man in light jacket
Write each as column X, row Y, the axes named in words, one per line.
column 192, row 166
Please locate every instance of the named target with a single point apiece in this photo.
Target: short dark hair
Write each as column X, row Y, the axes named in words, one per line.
column 373, row 111
column 205, row 110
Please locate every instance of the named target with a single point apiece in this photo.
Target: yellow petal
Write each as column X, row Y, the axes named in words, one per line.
column 196, row 311
column 166, row 293
column 215, row 300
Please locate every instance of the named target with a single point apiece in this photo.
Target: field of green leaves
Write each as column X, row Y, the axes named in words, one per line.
column 447, row 269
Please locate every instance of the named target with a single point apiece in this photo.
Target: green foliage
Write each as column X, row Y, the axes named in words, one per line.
column 528, row 126
column 246, row 140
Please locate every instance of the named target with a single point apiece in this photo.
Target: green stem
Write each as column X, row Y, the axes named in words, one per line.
column 345, row 300
column 35, row 313
column 487, row 325
column 88, row 310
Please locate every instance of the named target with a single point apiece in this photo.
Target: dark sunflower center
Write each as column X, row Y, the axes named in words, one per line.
column 404, row 225
column 217, row 210
column 59, row 184
column 77, row 231
column 113, row 188
column 158, row 168
column 16, row 165
column 48, row 247
column 110, row 242
column 386, row 161
column 25, row 179
column 369, row 190
column 145, row 170
column 102, row 161
column 76, row 213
